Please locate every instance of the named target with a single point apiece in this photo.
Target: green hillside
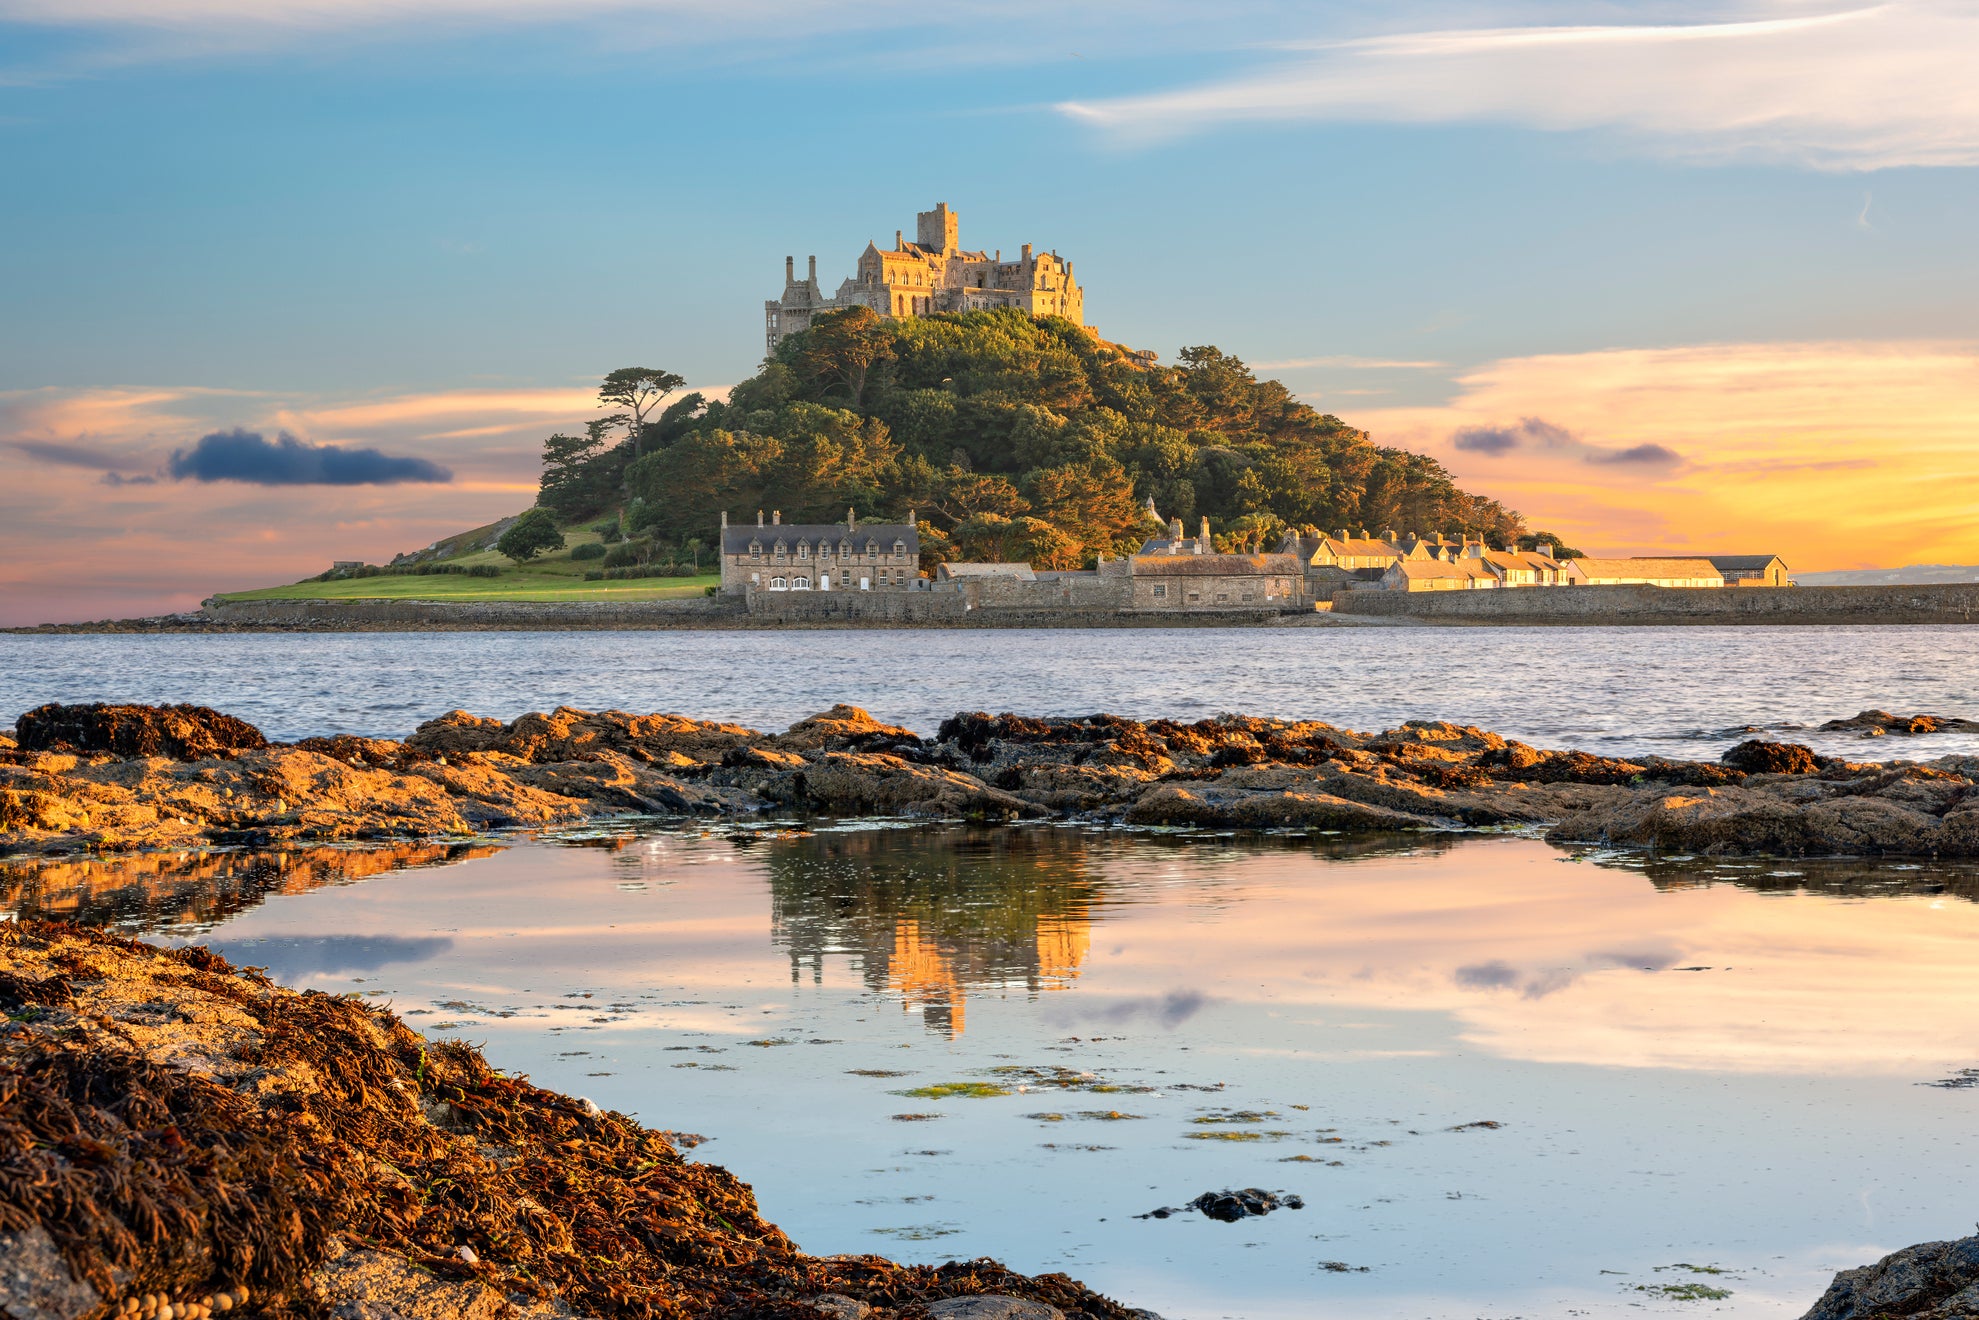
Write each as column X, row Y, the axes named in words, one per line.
column 1010, row 436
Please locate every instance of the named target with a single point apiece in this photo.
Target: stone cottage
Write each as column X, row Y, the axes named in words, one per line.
column 847, row 556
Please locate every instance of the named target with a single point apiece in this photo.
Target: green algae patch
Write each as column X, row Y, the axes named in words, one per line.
column 946, row 1090
column 1684, row 1292
column 1237, row 1116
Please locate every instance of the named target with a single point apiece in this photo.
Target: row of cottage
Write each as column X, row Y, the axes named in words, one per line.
column 1180, row 572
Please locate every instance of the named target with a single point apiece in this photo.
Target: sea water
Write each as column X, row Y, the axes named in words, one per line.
column 1678, row 692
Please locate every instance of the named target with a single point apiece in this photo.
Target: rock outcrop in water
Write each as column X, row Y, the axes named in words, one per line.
column 1930, row 1281
column 176, row 1133
column 461, row 775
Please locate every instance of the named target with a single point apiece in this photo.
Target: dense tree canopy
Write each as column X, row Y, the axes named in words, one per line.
column 1014, row 437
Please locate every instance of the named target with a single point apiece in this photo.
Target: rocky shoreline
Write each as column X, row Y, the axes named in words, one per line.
column 180, row 1138
column 96, row 778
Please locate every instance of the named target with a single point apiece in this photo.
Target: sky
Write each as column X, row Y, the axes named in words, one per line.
column 288, row 281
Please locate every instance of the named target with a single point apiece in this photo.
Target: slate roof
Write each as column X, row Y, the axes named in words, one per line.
column 735, row 540
column 1730, row 563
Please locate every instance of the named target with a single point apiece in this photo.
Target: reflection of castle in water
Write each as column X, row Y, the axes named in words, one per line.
column 152, row 891
column 998, row 910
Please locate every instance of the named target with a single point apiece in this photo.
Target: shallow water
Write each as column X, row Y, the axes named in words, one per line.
column 1701, row 1065
column 1685, row 692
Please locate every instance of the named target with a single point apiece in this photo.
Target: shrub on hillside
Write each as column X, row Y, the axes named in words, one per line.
column 622, row 555
column 534, row 533
column 589, row 550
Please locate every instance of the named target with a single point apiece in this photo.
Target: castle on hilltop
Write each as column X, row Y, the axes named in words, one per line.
column 930, row 274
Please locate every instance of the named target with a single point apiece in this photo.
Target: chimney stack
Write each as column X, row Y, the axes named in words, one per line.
column 776, row 517
column 814, row 268
column 790, row 270
column 1202, row 541
column 897, row 243
column 851, row 522
column 759, row 517
column 1175, row 528
column 724, row 520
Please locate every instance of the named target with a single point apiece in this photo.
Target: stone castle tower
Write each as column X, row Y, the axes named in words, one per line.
column 930, row 274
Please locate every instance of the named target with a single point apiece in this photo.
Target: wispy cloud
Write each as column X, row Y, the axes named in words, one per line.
column 1859, row 88
column 1538, row 433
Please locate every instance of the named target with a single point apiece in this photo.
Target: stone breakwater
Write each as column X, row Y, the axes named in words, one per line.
column 180, row 1138
column 104, row 778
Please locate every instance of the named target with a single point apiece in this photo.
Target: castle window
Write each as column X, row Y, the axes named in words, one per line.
column 800, row 584
column 778, row 584
column 1160, row 591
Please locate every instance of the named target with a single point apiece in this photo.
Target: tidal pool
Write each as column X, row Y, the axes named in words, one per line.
column 1505, row 1080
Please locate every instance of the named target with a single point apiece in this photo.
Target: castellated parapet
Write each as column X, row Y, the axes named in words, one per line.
column 931, row 273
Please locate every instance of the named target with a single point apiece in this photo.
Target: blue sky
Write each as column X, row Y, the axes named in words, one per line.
column 252, row 215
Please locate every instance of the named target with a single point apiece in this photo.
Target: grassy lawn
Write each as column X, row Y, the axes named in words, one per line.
column 553, row 577
column 521, row 585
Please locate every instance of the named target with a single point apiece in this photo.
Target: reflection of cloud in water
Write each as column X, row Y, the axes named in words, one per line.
column 290, row 958
column 1493, row 975
column 1501, row 975
column 1170, row 1010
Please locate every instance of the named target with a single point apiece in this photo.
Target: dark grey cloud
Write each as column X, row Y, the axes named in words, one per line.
column 1647, row 454
column 1497, row 440
column 119, row 479
column 1492, row 440
column 290, row 957
column 239, row 455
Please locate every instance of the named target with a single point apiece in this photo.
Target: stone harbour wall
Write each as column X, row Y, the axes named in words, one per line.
column 1955, row 602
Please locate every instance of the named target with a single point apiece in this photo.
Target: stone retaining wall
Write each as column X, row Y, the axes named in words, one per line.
column 1954, row 602
column 893, row 609
column 375, row 615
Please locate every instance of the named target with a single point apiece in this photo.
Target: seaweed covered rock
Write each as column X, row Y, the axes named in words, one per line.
column 171, row 1127
column 1879, row 723
column 183, row 733
column 1756, row 756
column 567, row 734
column 1930, row 1281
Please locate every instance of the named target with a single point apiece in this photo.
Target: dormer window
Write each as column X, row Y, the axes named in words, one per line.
column 873, row 548
column 899, row 547
column 824, row 549
column 803, row 549
column 755, row 549
column 781, row 550
column 845, row 549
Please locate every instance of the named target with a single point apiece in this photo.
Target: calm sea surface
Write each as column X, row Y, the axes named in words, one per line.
column 1507, row 1081
column 1676, row 692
